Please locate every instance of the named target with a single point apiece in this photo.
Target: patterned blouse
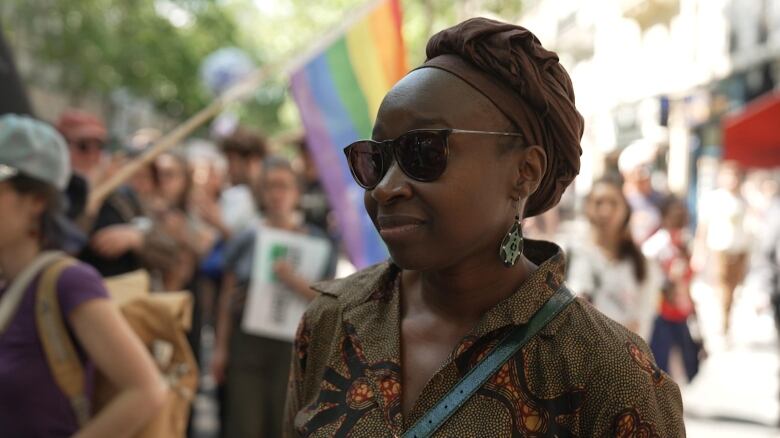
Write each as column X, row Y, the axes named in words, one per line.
column 583, row 375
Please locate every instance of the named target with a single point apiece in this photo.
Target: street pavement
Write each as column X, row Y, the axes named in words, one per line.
column 736, row 391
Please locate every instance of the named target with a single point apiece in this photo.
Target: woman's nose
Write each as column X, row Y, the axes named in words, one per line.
column 393, row 186
column 605, row 211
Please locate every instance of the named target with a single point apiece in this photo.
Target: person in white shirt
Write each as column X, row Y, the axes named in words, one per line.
column 721, row 233
column 636, row 167
column 235, row 210
column 608, row 267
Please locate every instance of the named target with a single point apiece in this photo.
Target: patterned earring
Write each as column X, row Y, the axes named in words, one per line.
column 512, row 245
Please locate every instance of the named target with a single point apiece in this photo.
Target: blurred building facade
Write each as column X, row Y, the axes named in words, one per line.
column 662, row 71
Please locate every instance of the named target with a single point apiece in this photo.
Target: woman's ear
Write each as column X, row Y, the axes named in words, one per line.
column 531, row 163
column 33, row 206
column 37, row 204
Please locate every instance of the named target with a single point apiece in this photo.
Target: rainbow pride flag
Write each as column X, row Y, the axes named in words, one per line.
column 338, row 94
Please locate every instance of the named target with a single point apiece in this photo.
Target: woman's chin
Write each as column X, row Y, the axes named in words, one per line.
column 410, row 260
column 415, row 259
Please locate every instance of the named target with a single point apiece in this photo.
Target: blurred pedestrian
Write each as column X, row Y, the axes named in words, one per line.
column 545, row 226
column 236, row 210
column 86, row 136
column 721, row 236
column 433, row 342
column 314, row 202
column 113, row 242
column 636, row 164
column 146, row 181
column 608, row 267
column 208, row 178
column 669, row 246
column 193, row 237
column 33, row 169
column 767, row 263
column 254, row 367
column 121, row 235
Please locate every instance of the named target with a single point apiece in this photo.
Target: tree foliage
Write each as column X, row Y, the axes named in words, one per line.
column 154, row 48
column 151, row 47
column 279, row 29
column 282, row 27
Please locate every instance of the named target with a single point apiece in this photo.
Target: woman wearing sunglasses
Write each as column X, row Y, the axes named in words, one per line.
column 469, row 329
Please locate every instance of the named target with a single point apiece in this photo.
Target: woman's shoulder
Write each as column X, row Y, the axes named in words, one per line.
column 336, row 296
column 613, row 352
column 595, row 331
column 78, row 283
column 76, row 273
column 356, row 288
column 322, row 319
column 618, row 372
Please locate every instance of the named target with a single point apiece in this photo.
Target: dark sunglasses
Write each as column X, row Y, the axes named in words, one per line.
column 421, row 154
column 85, row 146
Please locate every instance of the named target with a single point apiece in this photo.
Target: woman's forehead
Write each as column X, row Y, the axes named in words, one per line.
column 279, row 173
column 167, row 161
column 601, row 190
column 434, row 98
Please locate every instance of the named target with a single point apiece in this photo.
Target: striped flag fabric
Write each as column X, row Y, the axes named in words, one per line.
column 338, row 93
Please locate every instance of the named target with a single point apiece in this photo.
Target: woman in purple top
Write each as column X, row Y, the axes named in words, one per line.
column 33, row 169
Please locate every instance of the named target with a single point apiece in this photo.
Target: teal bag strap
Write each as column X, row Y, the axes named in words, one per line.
column 429, row 423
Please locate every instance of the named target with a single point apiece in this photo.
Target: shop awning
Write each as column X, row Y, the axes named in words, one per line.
column 752, row 137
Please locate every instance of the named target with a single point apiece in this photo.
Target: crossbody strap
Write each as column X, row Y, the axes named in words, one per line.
column 9, row 303
column 429, row 423
column 60, row 352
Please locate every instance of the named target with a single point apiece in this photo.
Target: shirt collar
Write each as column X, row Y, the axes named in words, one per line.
column 518, row 308
column 371, row 316
column 377, row 283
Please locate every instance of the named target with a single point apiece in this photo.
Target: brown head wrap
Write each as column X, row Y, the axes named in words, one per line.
column 508, row 65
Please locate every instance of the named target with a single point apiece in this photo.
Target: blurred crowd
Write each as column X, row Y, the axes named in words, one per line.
column 636, row 252
column 189, row 218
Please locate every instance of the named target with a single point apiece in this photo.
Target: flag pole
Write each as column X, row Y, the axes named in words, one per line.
column 236, row 93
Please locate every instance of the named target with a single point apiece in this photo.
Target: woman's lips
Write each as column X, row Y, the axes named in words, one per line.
column 393, row 227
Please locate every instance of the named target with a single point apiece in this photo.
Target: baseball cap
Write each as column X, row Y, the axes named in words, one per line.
column 639, row 154
column 33, row 148
column 78, row 125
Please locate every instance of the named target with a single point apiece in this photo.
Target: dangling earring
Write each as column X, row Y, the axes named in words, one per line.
column 512, row 246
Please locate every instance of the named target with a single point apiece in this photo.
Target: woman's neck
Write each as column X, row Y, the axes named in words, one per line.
column 14, row 258
column 464, row 294
column 607, row 240
column 286, row 222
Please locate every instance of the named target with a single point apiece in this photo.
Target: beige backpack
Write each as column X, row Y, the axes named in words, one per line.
column 160, row 321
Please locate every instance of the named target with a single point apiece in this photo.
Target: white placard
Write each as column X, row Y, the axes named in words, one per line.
column 272, row 309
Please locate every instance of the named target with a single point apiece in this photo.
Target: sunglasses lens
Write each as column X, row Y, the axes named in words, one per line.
column 423, row 155
column 365, row 160
column 89, row 145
